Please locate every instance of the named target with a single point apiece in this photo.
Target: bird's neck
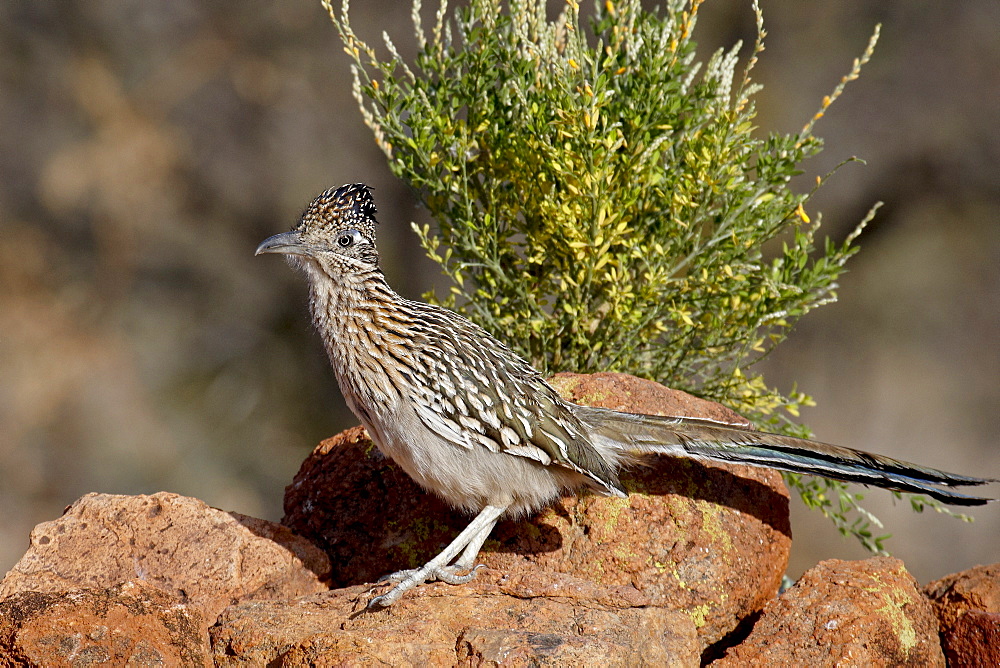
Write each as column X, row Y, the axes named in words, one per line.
column 359, row 318
column 343, row 302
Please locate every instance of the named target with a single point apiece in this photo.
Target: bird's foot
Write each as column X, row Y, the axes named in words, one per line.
column 408, row 579
column 457, row 574
column 398, row 576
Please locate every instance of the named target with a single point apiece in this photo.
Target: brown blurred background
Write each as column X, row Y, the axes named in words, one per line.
column 148, row 147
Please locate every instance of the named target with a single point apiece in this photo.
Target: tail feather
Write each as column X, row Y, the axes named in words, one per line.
column 717, row 441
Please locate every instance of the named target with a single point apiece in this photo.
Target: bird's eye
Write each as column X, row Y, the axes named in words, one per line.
column 345, row 240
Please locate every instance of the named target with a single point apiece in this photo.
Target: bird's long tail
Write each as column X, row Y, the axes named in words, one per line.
column 632, row 434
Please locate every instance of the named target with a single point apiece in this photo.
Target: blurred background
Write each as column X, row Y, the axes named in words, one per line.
column 148, row 147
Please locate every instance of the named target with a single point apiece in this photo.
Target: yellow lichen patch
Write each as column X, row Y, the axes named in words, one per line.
column 698, row 614
column 564, row 385
column 711, row 518
column 893, row 610
column 604, row 524
column 662, row 567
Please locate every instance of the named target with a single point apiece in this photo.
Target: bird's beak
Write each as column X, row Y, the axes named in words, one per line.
column 288, row 243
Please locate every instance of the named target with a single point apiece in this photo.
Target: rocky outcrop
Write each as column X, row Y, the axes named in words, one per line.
column 204, row 557
column 968, row 607
column 685, row 570
column 534, row 618
column 844, row 613
column 133, row 624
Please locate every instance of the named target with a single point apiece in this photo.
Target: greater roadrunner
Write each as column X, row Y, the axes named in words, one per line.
column 474, row 423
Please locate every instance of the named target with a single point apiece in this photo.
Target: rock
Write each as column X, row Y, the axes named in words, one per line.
column 709, row 540
column 132, row 624
column 967, row 605
column 535, row 619
column 851, row 613
column 205, row 557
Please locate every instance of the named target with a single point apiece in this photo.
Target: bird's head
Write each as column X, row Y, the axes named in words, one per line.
column 336, row 232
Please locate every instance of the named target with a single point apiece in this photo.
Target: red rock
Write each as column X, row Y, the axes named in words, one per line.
column 132, row 624
column 967, row 605
column 709, row 540
column 206, row 557
column 845, row 613
column 538, row 619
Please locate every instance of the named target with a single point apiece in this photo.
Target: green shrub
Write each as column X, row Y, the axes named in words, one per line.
column 604, row 201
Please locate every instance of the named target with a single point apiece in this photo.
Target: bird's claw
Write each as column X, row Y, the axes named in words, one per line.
column 398, row 576
column 451, row 574
column 409, row 578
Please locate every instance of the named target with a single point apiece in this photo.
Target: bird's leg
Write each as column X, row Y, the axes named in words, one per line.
column 468, row 543
column 464, row 568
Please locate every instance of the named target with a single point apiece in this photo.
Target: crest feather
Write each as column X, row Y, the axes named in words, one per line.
column 350, row 206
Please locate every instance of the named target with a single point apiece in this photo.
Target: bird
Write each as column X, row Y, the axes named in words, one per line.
column 474, row 423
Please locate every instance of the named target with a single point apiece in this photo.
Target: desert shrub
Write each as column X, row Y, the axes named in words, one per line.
column 604, row 202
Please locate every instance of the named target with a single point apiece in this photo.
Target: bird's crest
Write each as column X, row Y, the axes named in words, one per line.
column 348, row 207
